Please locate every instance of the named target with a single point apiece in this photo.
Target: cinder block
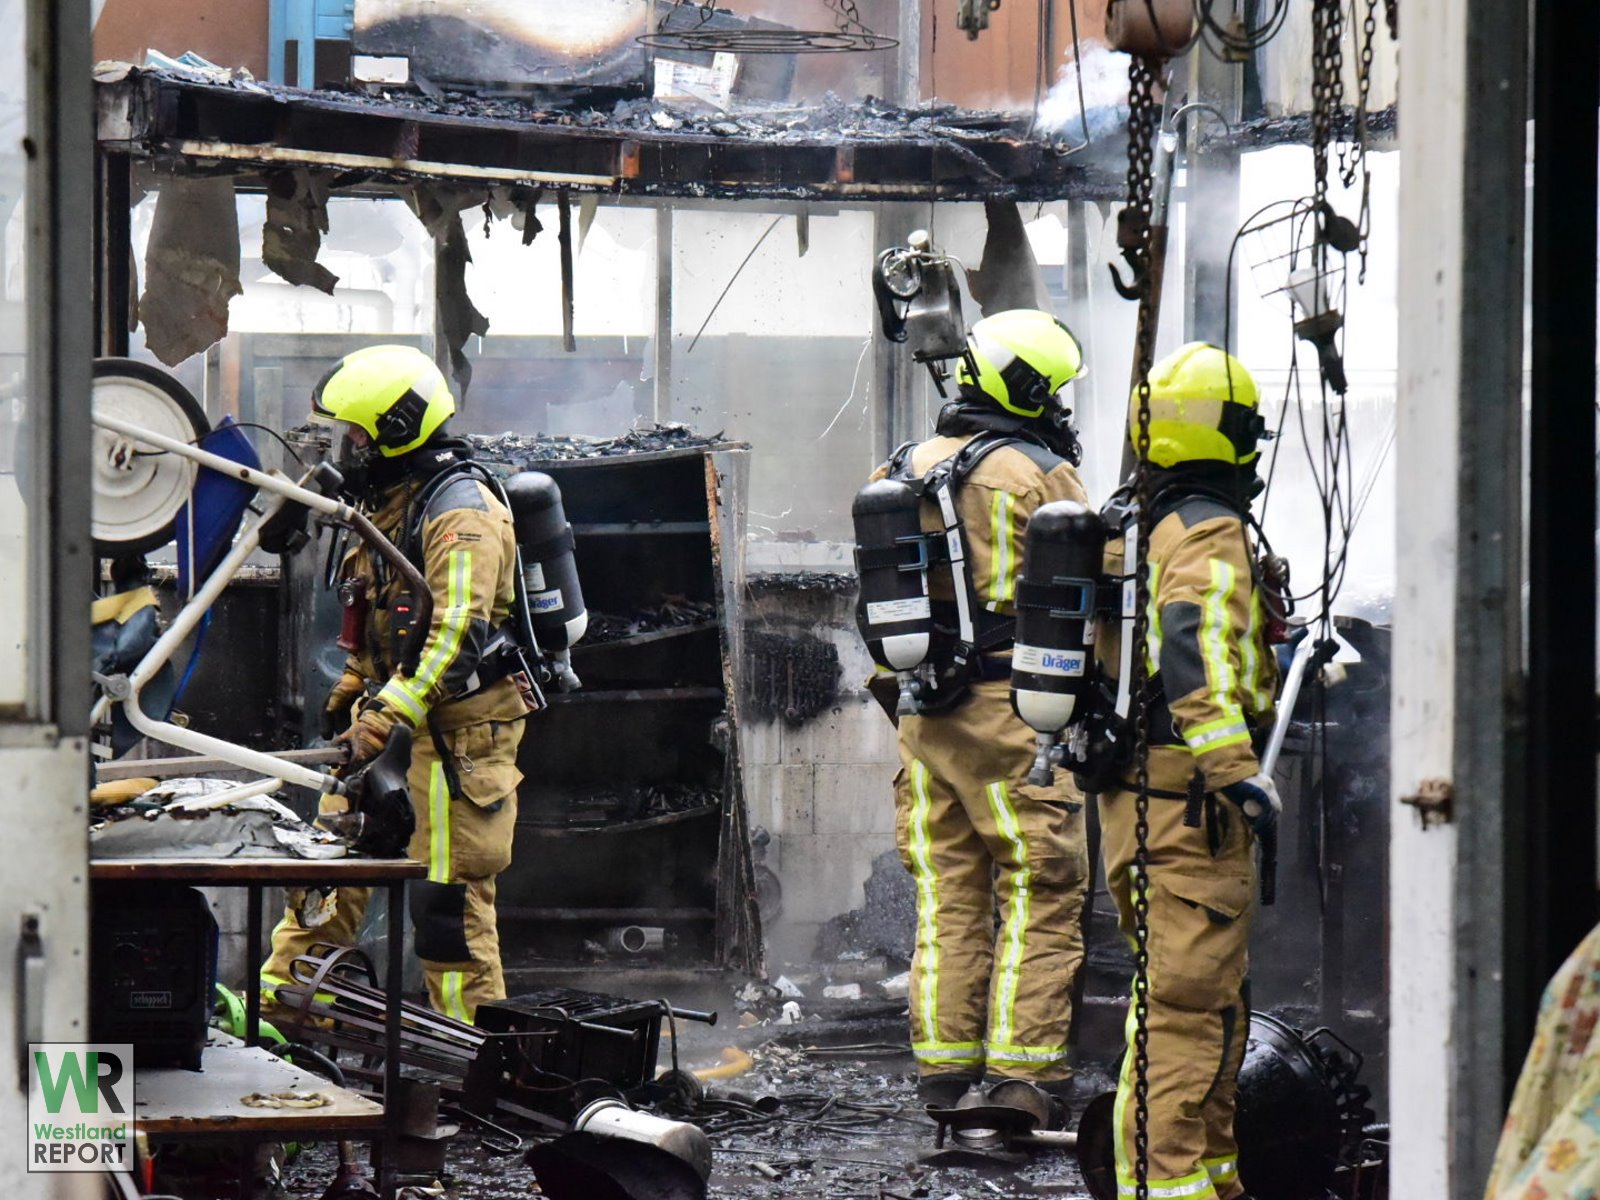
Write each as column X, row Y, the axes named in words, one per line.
column 854, row 798
column 857, row 732
column 761, row 741
column 780, row 798
column 822, row 876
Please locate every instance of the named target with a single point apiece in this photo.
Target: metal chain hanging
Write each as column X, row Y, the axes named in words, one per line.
column 1327, row 86
column 1143, row 117
column 1358, row 159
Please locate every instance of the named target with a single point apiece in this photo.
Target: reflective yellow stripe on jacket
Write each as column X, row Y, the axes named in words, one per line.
column 410, row 696
column 1216, row 647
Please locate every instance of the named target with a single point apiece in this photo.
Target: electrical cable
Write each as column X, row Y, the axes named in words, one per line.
column 737, row 272
column 1331, row 471
column 195, row 441
column 1230, row 44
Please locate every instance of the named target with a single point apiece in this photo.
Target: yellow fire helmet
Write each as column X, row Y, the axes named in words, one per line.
column 396, row 393
column 1204, row 407
column 1023, row 357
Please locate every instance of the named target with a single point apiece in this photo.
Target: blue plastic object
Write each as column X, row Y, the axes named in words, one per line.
column 219, row 505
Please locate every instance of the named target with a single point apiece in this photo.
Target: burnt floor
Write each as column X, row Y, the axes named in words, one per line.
column 826, row 1109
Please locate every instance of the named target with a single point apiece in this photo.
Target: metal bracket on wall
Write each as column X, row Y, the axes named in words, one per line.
column 1435, row 802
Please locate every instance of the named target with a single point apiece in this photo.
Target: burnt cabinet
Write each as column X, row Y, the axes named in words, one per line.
column 631, row 839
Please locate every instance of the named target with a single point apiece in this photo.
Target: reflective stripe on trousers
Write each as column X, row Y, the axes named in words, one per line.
column 1014, row 935
column 438, row 826
column 450, row 992
column 927, row 880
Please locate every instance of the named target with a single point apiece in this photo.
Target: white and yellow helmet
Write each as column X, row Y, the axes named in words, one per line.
column 1204, row 407
column 397, row 394
column 1021, row 359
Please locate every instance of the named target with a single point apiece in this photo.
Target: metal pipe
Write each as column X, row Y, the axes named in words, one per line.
column 188, row 617
column 284, row 490
column 238, row 756
column 1060, row 1139
column 192, row 613
column 636, row 939
column 190, row 765
column 690, row 1014
column 1303, row 652
column 268, row 481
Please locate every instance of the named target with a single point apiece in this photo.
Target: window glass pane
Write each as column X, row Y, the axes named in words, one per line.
column 523, row 380
column 779, row 354
column 281, row 338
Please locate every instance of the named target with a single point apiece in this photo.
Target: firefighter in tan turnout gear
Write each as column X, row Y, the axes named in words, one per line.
column 1212, row 678
column 464, row 699
column 974, row 834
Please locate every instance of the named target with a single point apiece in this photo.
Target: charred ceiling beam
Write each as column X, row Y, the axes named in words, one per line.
column 1295, row 130
column 189, row 124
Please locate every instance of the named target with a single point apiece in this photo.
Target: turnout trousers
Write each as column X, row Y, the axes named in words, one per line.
column 466, row 842
column 1000, row 871
column 1201, row 904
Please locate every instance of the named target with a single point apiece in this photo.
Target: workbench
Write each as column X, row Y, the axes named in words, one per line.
column 184, row 1104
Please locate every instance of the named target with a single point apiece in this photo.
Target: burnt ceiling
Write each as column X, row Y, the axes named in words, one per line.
column 831, row 151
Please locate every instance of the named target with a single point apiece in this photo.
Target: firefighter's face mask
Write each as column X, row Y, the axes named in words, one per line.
column 1064, row 433
column 357, row 453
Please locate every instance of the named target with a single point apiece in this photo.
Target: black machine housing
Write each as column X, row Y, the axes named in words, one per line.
column 152, row 969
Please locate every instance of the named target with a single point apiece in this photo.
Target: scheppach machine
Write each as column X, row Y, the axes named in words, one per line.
column 152, row 964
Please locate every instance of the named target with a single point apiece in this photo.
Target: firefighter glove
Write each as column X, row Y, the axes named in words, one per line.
column 1257, row 798
column 370, row 733
column 336, row 713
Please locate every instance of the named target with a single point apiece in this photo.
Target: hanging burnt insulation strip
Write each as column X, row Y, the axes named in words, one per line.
column 569, row 342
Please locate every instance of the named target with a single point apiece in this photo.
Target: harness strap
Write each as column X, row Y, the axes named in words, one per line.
column 447, row 760
column 940, row 484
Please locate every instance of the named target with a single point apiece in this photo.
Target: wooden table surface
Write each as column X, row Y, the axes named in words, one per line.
column 283, row 872
column 170, row 1101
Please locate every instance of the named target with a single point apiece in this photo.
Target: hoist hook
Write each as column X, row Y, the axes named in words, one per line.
column 1132, row 290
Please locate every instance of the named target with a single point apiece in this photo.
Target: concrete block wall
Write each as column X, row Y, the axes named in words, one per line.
column 823, row 789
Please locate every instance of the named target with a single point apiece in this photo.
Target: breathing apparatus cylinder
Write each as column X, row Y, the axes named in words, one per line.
column 1051, row 671
column 893, row 611
column 549, row 571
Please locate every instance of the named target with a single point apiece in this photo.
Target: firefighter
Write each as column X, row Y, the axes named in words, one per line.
column 974, row 834
column 464, row 702
column 1212, row 681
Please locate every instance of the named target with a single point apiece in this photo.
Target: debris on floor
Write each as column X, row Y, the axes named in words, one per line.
column 674, row 612
column 885, row 925
column 517, row 449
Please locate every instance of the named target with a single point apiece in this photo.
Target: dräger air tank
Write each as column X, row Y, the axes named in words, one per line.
column 549, row 571
column 1051, row 667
